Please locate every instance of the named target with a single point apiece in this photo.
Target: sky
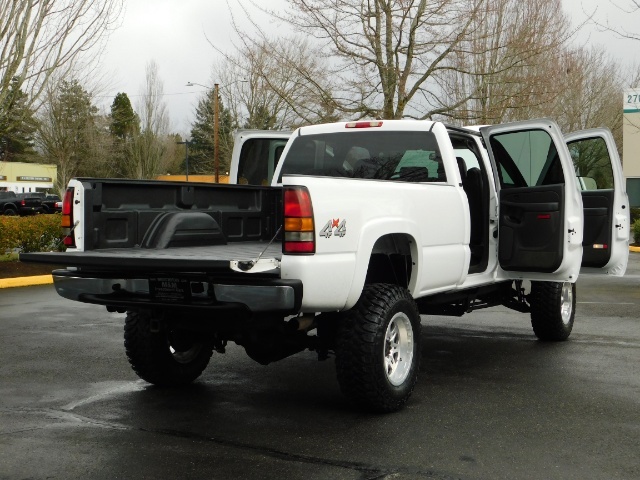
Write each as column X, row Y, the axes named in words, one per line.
column 177, row 35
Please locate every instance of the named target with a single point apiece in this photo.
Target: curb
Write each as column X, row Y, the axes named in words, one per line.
column 25, row 281
column 48, row 279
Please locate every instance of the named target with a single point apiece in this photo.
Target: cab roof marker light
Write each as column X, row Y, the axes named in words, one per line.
column 370, row 124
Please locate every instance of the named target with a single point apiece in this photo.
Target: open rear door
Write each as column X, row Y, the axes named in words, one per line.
column 598, row 169
column 540, row 212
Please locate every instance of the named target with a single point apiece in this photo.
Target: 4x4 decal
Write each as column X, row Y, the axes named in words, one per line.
column 335, row 223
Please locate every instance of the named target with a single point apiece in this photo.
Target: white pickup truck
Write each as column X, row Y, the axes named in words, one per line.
column 366, row 225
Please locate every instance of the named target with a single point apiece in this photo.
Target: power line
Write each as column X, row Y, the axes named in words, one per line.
column 144, row 95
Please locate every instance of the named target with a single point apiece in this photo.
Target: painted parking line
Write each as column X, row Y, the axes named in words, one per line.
column 609, row 303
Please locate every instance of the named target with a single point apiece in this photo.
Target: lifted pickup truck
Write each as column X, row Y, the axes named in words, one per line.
column 367, row 225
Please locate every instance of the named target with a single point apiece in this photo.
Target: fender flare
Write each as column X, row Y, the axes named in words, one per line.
column 369, row 235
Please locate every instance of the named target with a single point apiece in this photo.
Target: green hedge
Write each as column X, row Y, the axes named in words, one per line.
column 635, row 231
column 38, row 233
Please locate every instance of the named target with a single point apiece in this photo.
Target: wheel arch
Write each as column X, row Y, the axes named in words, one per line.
column 381, row 258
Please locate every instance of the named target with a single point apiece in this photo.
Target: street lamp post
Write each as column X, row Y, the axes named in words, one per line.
column 186, row 155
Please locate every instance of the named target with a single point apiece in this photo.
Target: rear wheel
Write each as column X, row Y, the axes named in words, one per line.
column 10, row 212
column 553, row 309
column 167, row 357
column 378, row 348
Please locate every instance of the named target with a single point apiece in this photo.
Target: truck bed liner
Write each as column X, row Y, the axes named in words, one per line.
column 195, row 259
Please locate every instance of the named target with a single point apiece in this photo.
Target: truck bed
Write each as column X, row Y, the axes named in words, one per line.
column 180, row 259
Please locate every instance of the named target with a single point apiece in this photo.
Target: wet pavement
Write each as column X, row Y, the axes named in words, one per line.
column 491, row 402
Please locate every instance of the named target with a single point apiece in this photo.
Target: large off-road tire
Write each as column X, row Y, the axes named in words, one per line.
column 167, row 357
column 553, row 308
column 10, row 212
column 378, row 348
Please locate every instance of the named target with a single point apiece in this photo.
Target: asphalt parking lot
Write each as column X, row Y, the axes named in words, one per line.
column 491, row 402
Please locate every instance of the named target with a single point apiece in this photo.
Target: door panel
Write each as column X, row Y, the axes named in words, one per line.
column 596, row 241
column 606, row 206
column 540, row 211
column 531, row 228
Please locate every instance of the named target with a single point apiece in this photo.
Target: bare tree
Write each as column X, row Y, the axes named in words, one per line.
column 149, row 152
column 504, row 70
column 593, row 87
column 629, row 7
column 275, row 83
column 40, row 37
column 385, row 55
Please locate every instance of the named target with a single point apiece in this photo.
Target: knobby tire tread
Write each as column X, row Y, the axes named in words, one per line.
column 150, row 358
column 546, row 318
column 359, row 341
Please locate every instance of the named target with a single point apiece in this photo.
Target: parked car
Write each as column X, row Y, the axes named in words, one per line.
column 48, row 201
column 52, row 204
column 20, row 204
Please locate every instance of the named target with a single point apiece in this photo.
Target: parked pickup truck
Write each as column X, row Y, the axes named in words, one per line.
column 366, row 226
column 50, row 203
column 20, row 204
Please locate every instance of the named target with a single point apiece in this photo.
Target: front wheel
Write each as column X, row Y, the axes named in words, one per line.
column 553, row 309
column 378, row 348
column 167, row 357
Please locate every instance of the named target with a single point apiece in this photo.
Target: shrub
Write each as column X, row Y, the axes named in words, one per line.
column 39, row 233
column 635, row 230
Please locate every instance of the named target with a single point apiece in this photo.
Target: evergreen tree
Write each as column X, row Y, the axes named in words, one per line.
column 201, row 151
column 124, row 121
column 261, row 118
column 17, row 127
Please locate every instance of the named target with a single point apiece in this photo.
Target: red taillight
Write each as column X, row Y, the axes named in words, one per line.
column 297, row 203
column 23, row 202
column 67, row 202
column 67, row 218
column 363, row 124
column 299, row 232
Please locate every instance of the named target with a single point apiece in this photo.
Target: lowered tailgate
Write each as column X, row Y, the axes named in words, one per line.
column 212, row 258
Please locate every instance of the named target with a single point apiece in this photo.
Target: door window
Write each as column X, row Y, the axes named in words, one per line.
column 526, row 159
column 592, row 163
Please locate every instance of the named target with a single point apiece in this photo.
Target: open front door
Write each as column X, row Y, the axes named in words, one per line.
column 597, row 165
column 540, row 212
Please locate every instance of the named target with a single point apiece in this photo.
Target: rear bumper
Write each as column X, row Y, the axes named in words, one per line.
column 255, row 295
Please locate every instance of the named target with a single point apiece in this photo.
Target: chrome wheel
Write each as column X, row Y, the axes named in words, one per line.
column 398, row 349
column 566, row 302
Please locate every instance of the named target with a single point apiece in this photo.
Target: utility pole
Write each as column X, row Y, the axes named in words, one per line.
column 216, row 128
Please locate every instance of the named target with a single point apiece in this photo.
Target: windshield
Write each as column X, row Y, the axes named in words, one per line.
column 376, row 155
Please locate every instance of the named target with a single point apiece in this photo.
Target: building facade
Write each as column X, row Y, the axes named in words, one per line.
column 631, row 144
column 27, row 177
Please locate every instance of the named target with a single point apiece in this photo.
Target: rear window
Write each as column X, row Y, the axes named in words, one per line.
column 258, row 159
column 375, row 155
